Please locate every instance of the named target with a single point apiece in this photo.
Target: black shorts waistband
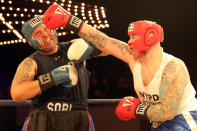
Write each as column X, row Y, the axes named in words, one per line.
column 60, row 106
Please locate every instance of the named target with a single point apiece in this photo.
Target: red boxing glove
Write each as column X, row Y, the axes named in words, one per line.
column 130, row 107
column 56, row 17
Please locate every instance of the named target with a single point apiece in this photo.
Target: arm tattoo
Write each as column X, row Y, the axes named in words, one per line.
column 123, row 47
column 173, row 82
column 94, row 36
column 24, row 69
column 99, row 39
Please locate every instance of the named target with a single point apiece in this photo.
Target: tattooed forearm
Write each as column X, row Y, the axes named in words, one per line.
column 123, row 48
column 100, row 40
column 158, row 112
column 24, row 69
column 173, row 82
column 93, row 36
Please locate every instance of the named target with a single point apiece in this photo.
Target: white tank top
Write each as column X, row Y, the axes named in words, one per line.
column 150, row 94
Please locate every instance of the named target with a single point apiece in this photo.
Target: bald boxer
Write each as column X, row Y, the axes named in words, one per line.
column 166, row 96
column 54, row 77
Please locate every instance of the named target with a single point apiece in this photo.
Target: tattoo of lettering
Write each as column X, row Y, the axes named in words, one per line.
column 95, row 37
column 173, row 81
column 24, row 69
column 123, row 47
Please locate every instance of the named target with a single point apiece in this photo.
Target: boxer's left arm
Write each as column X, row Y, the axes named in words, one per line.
column 114, row 47
column 173, row 82
column 100, row 53
column 81, row 50
column 117, row 48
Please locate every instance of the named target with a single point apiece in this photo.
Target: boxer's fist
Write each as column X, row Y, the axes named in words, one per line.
column 80, row 50
column 56, row 17
column 130, row 107
column 126, row 108
column 66, row 75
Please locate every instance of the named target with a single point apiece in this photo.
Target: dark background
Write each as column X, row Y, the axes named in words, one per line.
column 178, row 18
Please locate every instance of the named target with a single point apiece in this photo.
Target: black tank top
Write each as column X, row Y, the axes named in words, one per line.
column 46, row 63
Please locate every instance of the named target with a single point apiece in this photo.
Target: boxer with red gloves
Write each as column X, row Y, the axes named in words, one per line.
column 160, row 79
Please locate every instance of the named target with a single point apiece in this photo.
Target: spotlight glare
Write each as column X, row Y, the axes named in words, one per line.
column 83, row 4
column 107, row 25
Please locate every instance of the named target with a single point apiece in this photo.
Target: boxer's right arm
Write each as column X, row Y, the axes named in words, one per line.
column 56, row 17
column 23, row 85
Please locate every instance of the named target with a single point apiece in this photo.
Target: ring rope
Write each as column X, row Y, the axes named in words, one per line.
column 28, row 102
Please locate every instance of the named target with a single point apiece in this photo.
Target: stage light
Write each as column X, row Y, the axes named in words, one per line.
column 68, row 9
column 25, row 9
column 84, row 18
column 10, row 2
column 18, row 9
column 11, row 8
column 3, row 8
column 95, row 14
column 40, row 11
column 22, row 15
column 92, row 21
column 107, row 25
column 69, row 5
column 32, row 10
column 91, row 18
column 83, row 4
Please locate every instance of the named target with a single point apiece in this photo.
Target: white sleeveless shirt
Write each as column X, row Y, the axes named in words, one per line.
column 150, row 94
